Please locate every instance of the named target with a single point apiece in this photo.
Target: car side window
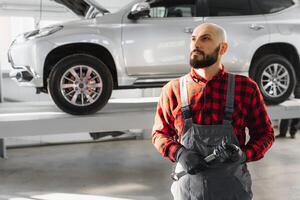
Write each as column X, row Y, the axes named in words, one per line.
column 229, row 7
column 267, row 6
column 175, row 8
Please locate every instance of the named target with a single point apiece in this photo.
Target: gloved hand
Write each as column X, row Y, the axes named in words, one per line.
column 236, row 153
column 192, row 162
column 230, row 152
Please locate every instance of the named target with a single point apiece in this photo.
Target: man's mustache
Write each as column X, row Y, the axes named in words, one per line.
column 197, row 51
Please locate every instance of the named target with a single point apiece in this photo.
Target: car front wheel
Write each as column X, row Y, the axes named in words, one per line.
column 80, row 84
column 275, row 77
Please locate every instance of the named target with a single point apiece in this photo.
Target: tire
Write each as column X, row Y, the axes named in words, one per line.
column 80, row 96
column 284, row 86
column 297, row 90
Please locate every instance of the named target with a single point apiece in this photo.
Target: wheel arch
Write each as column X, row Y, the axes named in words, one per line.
column 95, row 50
column 285, row 49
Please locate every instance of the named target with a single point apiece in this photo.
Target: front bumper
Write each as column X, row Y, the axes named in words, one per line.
column 27, row 61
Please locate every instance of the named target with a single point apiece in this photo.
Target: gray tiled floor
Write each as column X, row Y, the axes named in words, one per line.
column 130, row 169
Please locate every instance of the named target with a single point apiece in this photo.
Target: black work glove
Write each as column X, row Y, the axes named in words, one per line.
column 191, row 161
column 230, row 152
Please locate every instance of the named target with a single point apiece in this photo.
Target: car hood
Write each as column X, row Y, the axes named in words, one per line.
column 82, row 8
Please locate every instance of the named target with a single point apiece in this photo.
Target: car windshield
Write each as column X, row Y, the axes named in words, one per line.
column 113, row 5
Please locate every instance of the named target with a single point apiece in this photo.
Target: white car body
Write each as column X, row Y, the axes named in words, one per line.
column 147, row 51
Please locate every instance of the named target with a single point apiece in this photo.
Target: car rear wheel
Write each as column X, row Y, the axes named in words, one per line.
column 297, row 90
column 275, row 77
column 80, row 84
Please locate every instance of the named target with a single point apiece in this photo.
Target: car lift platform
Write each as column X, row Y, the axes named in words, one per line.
column 44, row 118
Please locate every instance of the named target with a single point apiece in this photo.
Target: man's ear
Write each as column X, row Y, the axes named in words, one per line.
column 224, row 47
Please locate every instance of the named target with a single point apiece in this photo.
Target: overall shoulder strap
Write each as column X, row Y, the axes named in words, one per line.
column 184, row 98
column 230, row 98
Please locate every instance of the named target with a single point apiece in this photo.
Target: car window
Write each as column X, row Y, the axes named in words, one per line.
column 229, row 7
column 267, row 6
column 175, row 8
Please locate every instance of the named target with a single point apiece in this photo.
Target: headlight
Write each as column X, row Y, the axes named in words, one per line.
column 42, row 32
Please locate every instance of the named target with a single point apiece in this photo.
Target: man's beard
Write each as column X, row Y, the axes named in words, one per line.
column 206, row 61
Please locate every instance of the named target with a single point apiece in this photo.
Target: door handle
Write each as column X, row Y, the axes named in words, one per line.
column 256, row 27
column 188, row 30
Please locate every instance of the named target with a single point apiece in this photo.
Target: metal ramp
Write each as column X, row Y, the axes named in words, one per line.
column 43, row 118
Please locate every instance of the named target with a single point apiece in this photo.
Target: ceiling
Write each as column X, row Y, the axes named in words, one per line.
column 51, row 5
column 32, row 8
column 51, row 10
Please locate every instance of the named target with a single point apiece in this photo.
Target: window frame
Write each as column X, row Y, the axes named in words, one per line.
column 207, row 13
column 265, row 12
column 197, row 8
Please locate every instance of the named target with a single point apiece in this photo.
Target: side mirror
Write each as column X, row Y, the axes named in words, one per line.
column 139, row 10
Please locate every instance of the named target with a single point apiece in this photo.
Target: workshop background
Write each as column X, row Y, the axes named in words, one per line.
column 113, row 167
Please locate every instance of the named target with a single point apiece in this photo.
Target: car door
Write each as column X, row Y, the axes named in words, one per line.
column 159, row 44
column 246, row 30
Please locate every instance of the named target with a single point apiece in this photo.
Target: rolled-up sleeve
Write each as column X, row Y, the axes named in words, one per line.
column 260, row 128
column 163, row 132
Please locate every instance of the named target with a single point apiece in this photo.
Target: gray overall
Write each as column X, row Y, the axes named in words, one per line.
column 223, row 180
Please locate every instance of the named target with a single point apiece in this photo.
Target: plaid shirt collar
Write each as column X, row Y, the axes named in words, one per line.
column 197, row 78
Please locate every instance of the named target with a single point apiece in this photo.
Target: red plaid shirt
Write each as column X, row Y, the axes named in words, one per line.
column 249, row 111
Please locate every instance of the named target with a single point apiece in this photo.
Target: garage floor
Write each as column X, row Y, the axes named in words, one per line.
column 128, row 169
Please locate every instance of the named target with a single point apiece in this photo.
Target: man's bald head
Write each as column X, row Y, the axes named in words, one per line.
column 208, row 45
column 214, row 29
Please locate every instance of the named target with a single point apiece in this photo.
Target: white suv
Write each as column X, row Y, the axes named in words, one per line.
column 146, row 43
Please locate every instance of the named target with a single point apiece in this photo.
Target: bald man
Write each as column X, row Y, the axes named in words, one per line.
column 200, row 124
